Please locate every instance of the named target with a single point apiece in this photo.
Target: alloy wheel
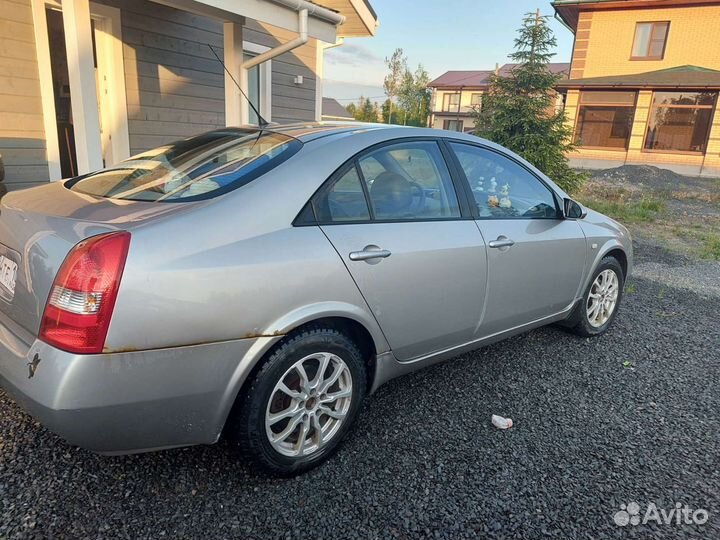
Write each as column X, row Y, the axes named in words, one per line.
column 603, row 297
column 309, row 404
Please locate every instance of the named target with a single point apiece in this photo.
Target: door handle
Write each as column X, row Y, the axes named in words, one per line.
column 501, row 242
column 368, row 253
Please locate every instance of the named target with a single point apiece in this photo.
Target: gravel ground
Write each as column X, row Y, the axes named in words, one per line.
column 654, row 262
column 631, row 416
column 688, row 223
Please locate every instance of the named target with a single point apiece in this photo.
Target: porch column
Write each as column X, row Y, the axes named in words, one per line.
column 83, row 93
column 319, row 74
column 236, row 106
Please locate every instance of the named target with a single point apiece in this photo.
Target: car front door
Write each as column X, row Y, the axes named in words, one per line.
column 395, row 219
column 536, row 257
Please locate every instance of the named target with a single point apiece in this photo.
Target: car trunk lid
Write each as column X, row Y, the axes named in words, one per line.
column 39, row 227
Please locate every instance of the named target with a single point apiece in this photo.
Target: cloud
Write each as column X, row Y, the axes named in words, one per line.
column 348, row 92
column 352, row 54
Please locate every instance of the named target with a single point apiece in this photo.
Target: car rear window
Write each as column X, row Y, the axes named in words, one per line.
column 192, row 169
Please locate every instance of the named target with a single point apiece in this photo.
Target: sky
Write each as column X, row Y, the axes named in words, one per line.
column 441, row 35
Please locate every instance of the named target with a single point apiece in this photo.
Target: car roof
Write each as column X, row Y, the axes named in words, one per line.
column 310, row 131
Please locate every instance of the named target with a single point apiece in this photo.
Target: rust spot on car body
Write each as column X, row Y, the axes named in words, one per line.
column 120, row 350
column 256, row 336
column 125, row 350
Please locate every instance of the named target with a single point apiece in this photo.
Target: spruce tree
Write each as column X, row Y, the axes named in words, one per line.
column 519, row 110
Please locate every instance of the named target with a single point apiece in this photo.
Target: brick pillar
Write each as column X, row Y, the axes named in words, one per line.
column 711, row 164
column 637, row 135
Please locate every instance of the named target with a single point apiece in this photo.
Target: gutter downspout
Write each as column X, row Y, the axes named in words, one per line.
column 304, row 9
column 299, row 41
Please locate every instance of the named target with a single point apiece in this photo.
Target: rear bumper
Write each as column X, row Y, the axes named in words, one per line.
column 126, row 402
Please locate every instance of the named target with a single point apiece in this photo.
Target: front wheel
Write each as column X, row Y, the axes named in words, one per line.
column 601, row 300
column 302, row 402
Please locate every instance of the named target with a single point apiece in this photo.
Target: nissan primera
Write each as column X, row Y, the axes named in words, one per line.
column 260, row 283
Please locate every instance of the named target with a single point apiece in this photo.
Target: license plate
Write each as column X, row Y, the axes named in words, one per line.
column 8, row 274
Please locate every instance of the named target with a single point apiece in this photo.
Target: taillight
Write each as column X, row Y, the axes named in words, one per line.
column 81, row 302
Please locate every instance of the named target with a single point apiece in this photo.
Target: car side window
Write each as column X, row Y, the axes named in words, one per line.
column 502, row 188
column 342, row 200
column 409, row 180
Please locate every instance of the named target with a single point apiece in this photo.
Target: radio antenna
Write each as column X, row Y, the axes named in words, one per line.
column 261, row 121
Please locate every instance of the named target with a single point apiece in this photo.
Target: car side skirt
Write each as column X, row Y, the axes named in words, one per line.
column 389, row 368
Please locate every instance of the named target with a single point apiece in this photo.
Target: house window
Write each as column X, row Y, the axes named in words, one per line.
column 605, row 119
column 650, row 40
column 476, row 100
column 453, row 125
column 259, row 81
column 451, row 102
column 680, row 121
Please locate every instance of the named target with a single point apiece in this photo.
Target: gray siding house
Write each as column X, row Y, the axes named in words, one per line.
column 85, row 84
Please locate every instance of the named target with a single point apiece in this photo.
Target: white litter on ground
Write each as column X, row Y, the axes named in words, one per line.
column 501, row 423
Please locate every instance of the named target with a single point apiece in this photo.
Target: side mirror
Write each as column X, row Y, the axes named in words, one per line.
column 574, row 210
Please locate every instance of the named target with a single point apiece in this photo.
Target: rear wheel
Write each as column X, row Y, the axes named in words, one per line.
column 302, row 402
column 601, row 300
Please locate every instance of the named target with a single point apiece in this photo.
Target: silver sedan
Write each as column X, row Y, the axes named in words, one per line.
column 260, row 284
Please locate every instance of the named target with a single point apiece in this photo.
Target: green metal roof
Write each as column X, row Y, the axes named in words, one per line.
column 674, row 77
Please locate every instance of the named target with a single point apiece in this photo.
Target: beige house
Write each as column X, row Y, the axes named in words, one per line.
column 644, row 83
column 85, row 84
column 456, row 94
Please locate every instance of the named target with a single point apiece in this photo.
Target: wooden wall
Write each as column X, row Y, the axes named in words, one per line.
column 174, row 83
column 22, row 134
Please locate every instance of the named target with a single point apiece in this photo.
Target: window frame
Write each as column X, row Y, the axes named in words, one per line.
column 264, row 80
column 618, row 104
column 448, row 121
column 450, row 107
column 559, row 215
column 473, row 95
column 303, row 218
column 650, row 40
column 651, row 111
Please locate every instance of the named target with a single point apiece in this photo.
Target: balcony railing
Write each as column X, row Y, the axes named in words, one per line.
column 464, row 109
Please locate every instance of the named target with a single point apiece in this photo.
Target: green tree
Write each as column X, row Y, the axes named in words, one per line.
column 366, row 111
column 386, row 111
column 519, row 110
column 351, row 109
column 408, row 95
column 414, row 97
column 397, row 66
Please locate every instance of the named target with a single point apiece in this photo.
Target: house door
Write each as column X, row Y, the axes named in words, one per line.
column 101, row 28
column 61, row 90
column 109, row 85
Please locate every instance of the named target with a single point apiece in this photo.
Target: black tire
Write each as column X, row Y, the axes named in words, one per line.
column 248, row 423
column 580, row 322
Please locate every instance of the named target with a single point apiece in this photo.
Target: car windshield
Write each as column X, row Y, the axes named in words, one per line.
column 192, row 169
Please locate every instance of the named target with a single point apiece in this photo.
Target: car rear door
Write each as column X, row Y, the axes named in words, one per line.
column 406, row 236
column 536, row 257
